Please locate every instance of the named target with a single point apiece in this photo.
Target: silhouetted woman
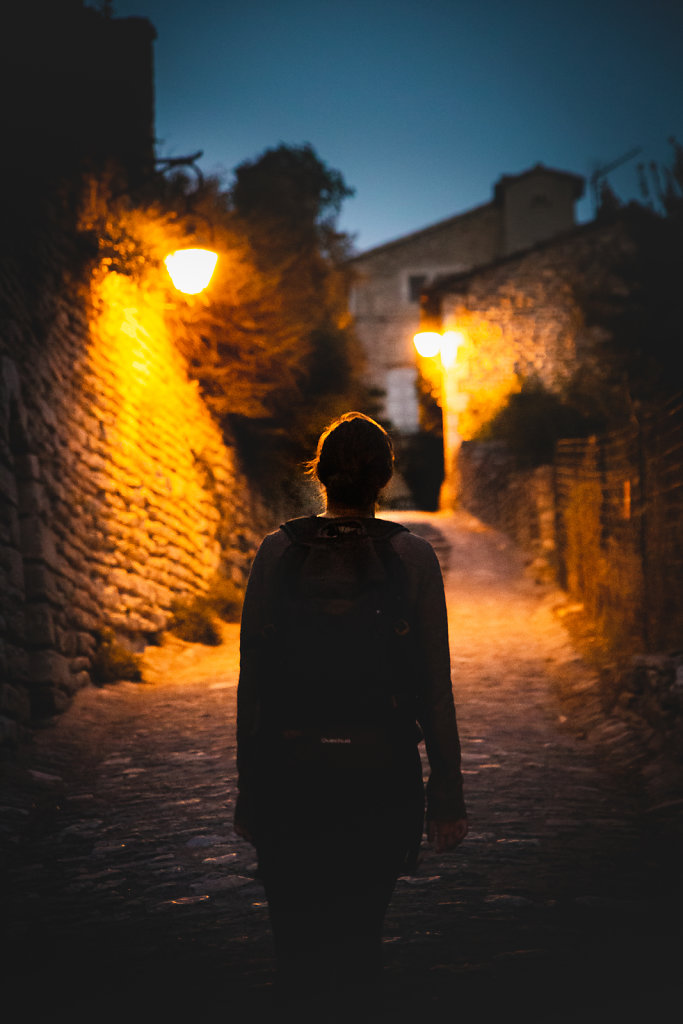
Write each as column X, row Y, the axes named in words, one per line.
column 344, row 650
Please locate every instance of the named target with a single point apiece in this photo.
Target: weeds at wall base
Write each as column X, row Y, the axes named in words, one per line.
column 113, row 662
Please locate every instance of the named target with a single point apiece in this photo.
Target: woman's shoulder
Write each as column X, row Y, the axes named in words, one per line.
column 273, row 544
column 413, row 548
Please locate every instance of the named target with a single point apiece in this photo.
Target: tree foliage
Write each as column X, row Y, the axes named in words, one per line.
column 270, row 343
column 534, row 419
column 640, row 320
column 661, row 186
column 291, row 188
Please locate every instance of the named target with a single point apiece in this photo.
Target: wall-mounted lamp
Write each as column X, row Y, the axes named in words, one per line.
column 430, row 344
column 191, row 269
column 450, row 343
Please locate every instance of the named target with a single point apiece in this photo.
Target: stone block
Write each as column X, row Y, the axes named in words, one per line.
column 29, row 468
column 14, row 582
column 14, row 701
column 119, row 622
column 48, row 668
column 79, row 664
column 75, row 554
column 120, row 579
column 16, row 624
column 8, row 485
column 81, row 679
column 34, row 499
column 16, row 664
column 39, row 625
column 9, row 733
column 47, row 701
column 67, row 642
column 86, row 644
column 66, row 590
column 71, row 573
column 83, row 620
column 38, row 542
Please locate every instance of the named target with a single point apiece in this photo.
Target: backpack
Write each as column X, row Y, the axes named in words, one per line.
column 341, row 640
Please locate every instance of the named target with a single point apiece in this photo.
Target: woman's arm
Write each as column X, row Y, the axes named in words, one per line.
column 445, row 800
column 253, row 668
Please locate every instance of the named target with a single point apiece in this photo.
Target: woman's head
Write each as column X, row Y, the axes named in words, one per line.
column 354, row 461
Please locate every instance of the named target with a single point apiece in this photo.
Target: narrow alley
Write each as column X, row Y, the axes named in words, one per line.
column 127, row 895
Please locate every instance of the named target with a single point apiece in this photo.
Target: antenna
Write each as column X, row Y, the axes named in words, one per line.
column 601, row 172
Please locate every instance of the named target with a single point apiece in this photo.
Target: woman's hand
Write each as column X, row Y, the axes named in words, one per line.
column 241, row 819
column 446, row 835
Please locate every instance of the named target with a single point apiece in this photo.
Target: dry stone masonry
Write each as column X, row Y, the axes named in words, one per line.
column 118, row 491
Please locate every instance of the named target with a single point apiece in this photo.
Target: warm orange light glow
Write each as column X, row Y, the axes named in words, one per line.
column 161, row 497
column 485, row 368
column 191, row 269
column 427, row 343
column 450, row 343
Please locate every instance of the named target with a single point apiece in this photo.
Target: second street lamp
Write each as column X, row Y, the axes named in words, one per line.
column 429, row 345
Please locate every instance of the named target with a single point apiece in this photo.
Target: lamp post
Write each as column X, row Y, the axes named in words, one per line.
column 191, row 270
column 430, row 345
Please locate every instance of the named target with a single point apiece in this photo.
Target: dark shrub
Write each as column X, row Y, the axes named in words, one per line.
column 112, row 661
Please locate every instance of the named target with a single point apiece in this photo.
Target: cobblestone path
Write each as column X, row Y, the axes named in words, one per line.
column 127, row 896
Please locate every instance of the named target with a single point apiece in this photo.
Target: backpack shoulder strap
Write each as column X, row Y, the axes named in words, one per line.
column 301, row 531
column 308, row 529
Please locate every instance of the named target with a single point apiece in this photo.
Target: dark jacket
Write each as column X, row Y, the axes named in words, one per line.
column 427, row 609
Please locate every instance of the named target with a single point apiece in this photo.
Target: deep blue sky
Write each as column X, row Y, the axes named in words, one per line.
column 421, row 104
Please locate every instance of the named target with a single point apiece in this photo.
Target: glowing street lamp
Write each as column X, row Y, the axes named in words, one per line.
column 191, row 269
column 450, row 343
column 430, row 344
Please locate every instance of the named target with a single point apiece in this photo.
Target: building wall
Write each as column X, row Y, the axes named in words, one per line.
column 522, row 320
column 118, row 491
column 385, row 299
column 525, row 312
column 535, row 206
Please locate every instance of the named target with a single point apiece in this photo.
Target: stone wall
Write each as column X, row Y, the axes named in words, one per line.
column 519, row 502
column 522, row 319
column 618, row 552
column 118, row 491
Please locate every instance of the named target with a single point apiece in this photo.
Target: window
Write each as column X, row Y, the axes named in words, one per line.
column 416, row 282
column 401, row 398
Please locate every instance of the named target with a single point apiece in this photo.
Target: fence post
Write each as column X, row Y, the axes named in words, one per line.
column 643, row 485
column 560, row 535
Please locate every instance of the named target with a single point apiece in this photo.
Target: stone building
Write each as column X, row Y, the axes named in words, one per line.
column 385, row 300
column 564, row 316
